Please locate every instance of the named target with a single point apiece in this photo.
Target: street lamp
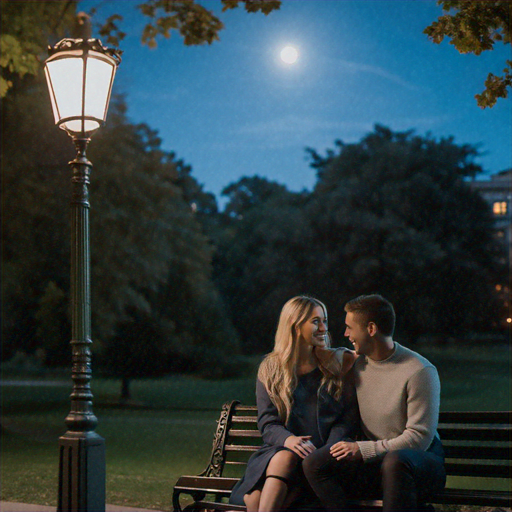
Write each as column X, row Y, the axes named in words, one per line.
column 80, row 74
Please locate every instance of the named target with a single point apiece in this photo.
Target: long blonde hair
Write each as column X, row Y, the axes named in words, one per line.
column 278, row 371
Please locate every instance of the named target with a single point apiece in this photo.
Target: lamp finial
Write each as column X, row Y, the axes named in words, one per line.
column 83, row 26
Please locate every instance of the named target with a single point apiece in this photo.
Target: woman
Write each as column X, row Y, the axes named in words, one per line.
column 302, row 406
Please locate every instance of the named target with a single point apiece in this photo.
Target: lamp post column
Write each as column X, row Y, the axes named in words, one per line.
column 80, row 75
column 82, row 451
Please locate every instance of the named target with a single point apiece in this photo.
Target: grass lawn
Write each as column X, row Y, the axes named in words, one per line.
column 473, row 377
column 166, row 432
column 168, row 429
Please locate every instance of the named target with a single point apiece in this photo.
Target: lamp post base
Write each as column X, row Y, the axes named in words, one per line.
column 81, row 472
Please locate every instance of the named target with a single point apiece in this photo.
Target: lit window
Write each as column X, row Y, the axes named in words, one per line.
column 499, row 207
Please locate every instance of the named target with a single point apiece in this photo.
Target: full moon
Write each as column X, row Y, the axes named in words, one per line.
column 289, row 54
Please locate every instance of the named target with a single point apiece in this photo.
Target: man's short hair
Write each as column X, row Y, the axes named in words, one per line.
column 373, row 308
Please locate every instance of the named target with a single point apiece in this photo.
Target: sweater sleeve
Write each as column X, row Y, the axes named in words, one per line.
column 270, row 425
column 423, row 397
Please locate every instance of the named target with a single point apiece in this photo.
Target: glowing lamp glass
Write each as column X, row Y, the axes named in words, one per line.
column 80, row 83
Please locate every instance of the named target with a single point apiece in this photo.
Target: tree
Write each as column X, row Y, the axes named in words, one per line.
column 248, row 193
column 396, row 214
column 143, row 231
column 28, row 26
column 151, row 260
column 52, row 321
column 260, row 256
column 203, row 204
column 475, row 27
column 196, row 24
column 392, row 213
column 34, row 219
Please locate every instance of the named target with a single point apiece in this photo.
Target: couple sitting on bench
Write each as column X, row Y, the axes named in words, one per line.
column 338, row 423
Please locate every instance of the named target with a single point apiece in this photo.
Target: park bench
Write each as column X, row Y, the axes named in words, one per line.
column 477, row 447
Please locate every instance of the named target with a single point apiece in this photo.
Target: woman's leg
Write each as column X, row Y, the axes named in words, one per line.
column 279, row 472
column 282, row 465
column 291, row 496
column 252, row 500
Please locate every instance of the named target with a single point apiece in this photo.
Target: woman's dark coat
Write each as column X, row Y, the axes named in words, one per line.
column 336, row 421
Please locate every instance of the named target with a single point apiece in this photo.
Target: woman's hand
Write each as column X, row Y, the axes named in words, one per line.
column 301, row 445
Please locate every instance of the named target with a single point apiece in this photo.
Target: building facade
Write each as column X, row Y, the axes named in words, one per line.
column 497, row 191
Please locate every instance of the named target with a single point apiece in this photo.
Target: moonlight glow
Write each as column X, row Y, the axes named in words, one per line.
column 289, row 54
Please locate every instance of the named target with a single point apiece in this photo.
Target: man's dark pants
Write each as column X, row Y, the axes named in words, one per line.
column 404, row 478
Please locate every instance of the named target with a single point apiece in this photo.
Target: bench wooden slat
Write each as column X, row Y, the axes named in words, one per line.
column 365, row 504
column 466, row 417
column 244, row 419
column 213, row 505
column 240, row 448
column 482, row 452
column 453, row 451
column 471, row 433
column 473, row 497
column 244, row 433
column 452, row 497
column 482, row 470
column 477, row 452
column 242, row 407
column 206, row 483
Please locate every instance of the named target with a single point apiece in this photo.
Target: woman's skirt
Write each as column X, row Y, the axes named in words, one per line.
column 254, row 473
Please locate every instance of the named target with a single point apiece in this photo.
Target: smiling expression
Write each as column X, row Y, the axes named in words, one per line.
column 314, row 330
column 358, row 335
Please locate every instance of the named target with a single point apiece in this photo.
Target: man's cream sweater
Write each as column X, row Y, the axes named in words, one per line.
column 398, row 401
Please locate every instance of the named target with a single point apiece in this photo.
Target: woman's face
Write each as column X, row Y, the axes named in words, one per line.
column 314, row 330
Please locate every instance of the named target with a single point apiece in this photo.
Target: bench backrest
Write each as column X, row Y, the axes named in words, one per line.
column 475, row 443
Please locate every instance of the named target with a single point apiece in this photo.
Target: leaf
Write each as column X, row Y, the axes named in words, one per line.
column 5, row 85
column 473, row 27
column 14, row 57
column 229, row 4
column 495, row 87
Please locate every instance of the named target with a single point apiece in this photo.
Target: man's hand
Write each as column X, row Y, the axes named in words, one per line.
column 301, row 445
column 346, row 450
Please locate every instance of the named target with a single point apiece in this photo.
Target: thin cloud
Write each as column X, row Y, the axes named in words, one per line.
column 358, row 67
column 296, row 130
column 299, row 126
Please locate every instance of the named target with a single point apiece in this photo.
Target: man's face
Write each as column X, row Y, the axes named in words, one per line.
column 358, row 335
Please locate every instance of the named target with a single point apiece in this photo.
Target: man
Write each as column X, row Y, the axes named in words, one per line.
column 400, row 455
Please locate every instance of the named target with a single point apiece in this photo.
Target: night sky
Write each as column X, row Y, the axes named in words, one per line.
column 236, row 109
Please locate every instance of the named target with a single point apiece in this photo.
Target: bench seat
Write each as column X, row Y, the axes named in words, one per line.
column 477, row 446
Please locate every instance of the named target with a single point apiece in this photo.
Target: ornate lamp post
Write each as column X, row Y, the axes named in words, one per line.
column 80, row 74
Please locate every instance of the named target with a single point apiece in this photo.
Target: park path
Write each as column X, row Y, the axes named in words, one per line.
column 11, row 506
column 39, row 383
